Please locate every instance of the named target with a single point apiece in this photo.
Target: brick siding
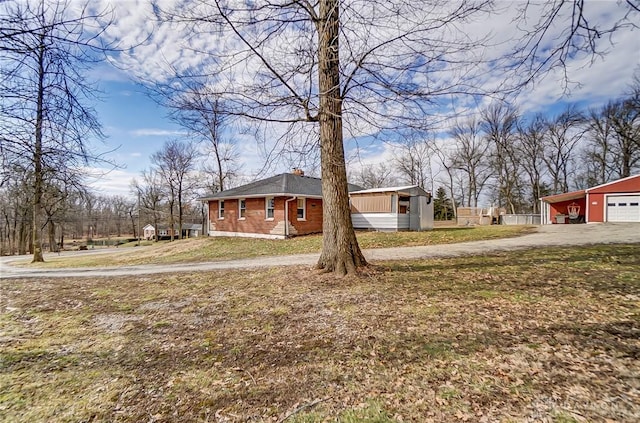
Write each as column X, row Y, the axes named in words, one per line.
column 255, row 217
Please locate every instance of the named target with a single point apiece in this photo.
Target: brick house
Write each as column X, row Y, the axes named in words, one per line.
column 279, row 207
column 616, row 201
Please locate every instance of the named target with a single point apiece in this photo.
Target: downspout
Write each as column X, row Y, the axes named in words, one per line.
column 286, row 216
column 207, row 222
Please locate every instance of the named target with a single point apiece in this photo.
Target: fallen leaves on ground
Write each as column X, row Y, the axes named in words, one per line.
column 540, row 335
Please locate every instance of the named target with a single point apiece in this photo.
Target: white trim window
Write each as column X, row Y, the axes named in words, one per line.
column 220, row 209
column 242, row 209
column 301, row 210
column 270, row 207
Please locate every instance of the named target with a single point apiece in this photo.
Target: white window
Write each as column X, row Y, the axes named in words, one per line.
column 270, row 205
column 221, row 209
column 302, row 208
column 242, row 208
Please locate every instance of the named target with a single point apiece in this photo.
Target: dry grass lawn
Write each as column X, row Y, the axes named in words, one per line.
column 222, row 248
column 541, row 335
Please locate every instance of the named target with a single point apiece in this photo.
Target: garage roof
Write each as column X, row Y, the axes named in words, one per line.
column 574, row 195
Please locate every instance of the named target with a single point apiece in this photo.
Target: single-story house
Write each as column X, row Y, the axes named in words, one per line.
column 149, row 231
column 189, row 230
column 392, row 209
column 616, row 201
column 277, row 207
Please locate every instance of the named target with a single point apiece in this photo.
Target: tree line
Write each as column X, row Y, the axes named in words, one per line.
column 500, row 157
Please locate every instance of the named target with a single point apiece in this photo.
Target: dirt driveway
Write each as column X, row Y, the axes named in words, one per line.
column 548, row 235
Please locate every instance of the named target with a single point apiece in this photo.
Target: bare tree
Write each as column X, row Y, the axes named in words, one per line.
column 174, row 162
column 499, row 122
column 446, row 161
column 203, row 114
column 374, row 176
column 46, row 48
column 151, row 196
column 563, row 135
column 471, row 155
column 624, row 117
column 413, row 161
column 531, row 137
column 562, row 30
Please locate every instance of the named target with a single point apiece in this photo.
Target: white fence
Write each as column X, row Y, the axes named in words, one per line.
column 520, row 219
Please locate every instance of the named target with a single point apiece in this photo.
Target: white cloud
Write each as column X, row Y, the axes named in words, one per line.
column 154, row 132
column 111, row 182
column 158, row 45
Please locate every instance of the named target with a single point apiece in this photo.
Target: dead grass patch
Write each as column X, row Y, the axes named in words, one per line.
column 540, row 335
column 222, row 248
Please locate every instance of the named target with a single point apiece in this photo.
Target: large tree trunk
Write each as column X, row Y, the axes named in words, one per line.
column 37, row 161
column 172, row 221
column 340, row 250
column 180, row 213
column 53, row 245
column 156, row 222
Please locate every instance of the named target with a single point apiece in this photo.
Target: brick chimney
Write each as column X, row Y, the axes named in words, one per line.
column 298, row 171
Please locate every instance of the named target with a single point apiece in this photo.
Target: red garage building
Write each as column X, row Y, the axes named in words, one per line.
column 617, row 201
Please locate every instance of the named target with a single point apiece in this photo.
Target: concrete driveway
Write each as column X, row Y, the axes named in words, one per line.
column 548, row 235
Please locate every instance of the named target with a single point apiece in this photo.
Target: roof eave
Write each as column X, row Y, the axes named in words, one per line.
column 275, row 194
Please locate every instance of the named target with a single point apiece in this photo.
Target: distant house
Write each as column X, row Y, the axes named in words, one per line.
column 392, row 209
column 148, row 232
column 189, row 230
column 616, row 201
column 277, row 207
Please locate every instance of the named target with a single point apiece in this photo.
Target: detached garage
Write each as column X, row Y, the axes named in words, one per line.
column 617, row 201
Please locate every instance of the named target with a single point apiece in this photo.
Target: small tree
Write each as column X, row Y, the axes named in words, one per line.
column 442, row 205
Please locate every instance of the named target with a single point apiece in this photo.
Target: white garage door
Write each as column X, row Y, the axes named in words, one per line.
column 623, row 208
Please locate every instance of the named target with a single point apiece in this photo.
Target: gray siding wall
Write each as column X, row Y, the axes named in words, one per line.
column 380, row 221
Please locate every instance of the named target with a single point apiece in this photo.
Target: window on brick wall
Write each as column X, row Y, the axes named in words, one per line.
column 302, row 208
column 242, row 208
column 270, row 204
column 221, row 209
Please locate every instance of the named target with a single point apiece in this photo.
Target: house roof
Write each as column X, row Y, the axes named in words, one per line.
column 632, row 180
column 285, row 184
column 566, row 196
column 407, row 190
column 190, row 226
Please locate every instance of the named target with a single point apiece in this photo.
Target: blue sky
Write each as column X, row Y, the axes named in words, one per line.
column 136, row 126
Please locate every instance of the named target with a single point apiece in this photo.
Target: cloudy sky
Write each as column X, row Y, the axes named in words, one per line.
column 136, row 126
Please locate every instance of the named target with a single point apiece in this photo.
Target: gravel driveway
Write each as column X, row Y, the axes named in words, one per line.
column 548, row 235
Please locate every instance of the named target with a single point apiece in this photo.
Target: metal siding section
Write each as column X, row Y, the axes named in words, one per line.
column 426, row 214
column 415, row 213
column 521, row 219
column 403, row 221
column 421, row 214
column 376, row 221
